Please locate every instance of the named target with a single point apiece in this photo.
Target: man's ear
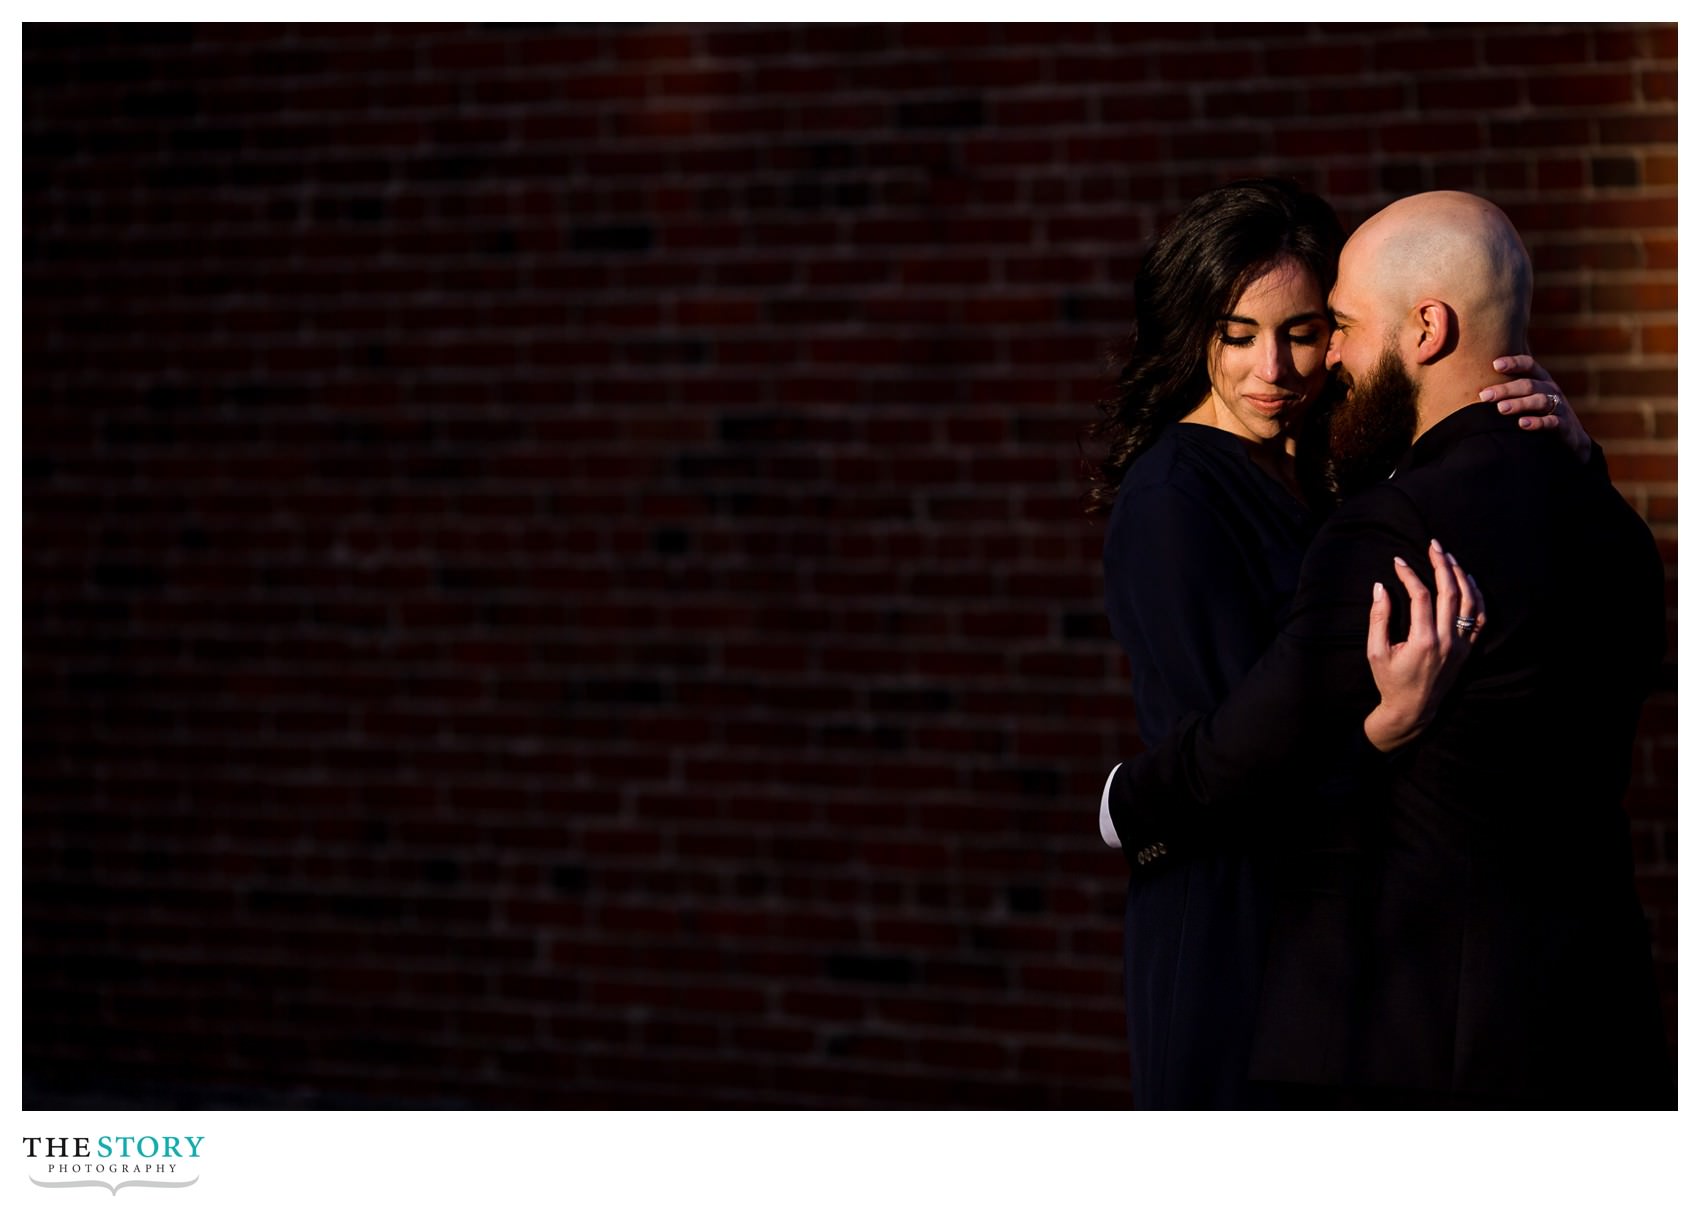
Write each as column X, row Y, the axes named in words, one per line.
column 1436, row 330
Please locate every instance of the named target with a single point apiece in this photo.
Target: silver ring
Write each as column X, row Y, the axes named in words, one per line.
column 1553, row 403
column 1465, row 626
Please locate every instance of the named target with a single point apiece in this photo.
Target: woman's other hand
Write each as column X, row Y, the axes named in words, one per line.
column 1537, row 403
column 1415, row 674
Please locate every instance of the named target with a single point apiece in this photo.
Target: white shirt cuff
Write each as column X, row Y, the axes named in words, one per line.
column 1107, row 827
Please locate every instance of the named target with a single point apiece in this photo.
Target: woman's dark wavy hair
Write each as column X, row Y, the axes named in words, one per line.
column 1219, row 244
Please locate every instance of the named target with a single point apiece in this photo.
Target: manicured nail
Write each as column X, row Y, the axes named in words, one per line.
column 1505, row 406
column 1501, row 363
column 1379, row 592
column 1487, row 394
column 1400, row 562
column 1434, row 545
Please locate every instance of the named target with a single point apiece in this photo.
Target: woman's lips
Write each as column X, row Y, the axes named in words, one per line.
column 1271, row 404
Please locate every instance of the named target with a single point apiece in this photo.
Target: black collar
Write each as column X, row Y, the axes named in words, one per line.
column 1443, row 435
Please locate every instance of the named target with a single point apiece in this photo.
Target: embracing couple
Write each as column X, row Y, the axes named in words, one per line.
column 1390, row 628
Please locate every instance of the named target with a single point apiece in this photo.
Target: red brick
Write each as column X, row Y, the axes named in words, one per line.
column 1661, row 253
column 1659, row 338
column 1535, row 48
column 1639, row 128
column 469, row 55
column 1041, row 111
column 652, row 45
column 1445, row 138
column 1458, row 50
column 946, row 36
column 996, row 73
column 1633, row 296
column 1531, row 133
column 1146, row 106
column 1658, row 86
column 1215, row 63
column 1557, row 90
column 1612, row 44
column 1647, row 468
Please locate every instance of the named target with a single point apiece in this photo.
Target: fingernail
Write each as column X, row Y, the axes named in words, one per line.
column 1501, row 363
column 1505, row 406
column 1487, row 394
column 1400, row 562
column 1452, row 559
column 1379, row 592
column 1525, row 423
column 1434, row 544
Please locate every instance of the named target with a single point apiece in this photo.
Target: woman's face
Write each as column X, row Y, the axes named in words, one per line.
column 1269, row 357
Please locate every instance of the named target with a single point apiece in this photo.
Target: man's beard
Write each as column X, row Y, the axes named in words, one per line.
column 1357, row 432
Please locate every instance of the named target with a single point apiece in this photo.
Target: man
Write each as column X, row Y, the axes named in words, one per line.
column 1465, row 932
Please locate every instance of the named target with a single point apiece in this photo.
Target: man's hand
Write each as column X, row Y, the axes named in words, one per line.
column 1415, row 674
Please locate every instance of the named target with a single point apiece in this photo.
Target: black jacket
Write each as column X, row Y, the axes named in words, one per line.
column 1476, row 932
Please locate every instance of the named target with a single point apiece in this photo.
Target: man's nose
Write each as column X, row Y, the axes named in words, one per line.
column 1332, row 358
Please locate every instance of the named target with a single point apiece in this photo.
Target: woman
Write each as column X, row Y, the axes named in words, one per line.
column 1208, row 524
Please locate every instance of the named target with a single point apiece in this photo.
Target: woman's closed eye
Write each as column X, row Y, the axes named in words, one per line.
column 1302, row 336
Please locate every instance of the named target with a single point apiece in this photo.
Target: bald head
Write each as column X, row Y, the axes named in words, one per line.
column 1438, row 286
column 1453, row 247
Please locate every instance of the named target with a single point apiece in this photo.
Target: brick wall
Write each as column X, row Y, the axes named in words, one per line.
column 552, row 557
